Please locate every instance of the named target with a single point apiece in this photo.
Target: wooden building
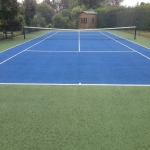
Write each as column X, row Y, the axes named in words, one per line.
column 87, row 20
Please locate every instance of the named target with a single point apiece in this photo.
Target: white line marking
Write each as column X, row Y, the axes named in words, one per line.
column 129, row 41
column 126, row 46
column 79, row 40
column 43, row 51
column 26, row 49
column 12, row 57
column 54, row 84
column 22, row 43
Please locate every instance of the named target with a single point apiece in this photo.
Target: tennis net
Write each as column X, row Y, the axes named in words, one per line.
column 83, row 34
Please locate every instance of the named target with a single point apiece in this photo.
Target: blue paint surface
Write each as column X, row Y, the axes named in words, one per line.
column 76, row 58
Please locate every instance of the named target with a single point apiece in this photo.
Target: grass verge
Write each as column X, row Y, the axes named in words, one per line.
column 6, row 44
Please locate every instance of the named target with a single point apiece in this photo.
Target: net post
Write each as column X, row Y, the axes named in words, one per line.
column 135, row 33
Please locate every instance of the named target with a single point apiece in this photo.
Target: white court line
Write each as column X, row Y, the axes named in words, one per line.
column 22, row 43
column 79, row 84
column 127, row 46
column 79, row 41
column 43, row 51
column 130, row 41
column 26, row 49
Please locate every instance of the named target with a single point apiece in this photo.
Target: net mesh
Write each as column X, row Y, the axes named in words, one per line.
column 83, row 34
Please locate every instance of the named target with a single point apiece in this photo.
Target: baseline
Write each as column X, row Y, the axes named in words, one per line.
column 78, row 84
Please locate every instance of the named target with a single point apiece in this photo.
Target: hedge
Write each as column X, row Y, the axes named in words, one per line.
column 120, row 16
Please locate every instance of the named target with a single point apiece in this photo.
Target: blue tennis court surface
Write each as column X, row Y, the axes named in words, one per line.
column 76, row 58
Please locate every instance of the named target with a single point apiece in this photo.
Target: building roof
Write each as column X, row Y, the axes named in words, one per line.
column 90, row 12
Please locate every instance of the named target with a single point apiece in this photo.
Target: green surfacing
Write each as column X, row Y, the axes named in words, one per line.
column 6, row 44
column 139, row 39
column 74, row 117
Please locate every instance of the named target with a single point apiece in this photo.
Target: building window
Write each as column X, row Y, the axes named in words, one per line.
column 92, row 20
column 86, row 20
column 83, row 20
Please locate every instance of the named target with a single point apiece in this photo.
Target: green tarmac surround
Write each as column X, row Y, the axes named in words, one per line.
column 74, row 117
column 6, row 44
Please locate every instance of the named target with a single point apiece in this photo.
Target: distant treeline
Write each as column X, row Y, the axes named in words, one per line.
column 120, row 16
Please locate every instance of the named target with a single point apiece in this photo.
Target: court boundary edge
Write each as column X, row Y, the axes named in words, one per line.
column 22, row 43
column 129, row 40
column 79, row 84
column 127, row 46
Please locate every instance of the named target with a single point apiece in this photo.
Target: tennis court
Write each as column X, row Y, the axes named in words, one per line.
column 76, row 57
column 111, row 117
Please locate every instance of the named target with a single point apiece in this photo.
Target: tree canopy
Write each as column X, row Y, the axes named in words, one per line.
column 64, row 13
column 30, row 10
column 9, row 10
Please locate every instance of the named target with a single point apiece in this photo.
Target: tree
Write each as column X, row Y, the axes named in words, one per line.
column 21, row 19
column 113, row 2
column 90, row 3
column 75, row 11
column 9, row 10
column 0, row 4
column 21, row 9
column 46, row 11
column 60, row 5
column 30, row 10
column 65, row 21
column 38, row 21
column 66, row 13
column 57, row 20
column 65, row 4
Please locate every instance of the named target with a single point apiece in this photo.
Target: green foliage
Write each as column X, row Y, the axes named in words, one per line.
column 30, row 10
column 66, row 13
column 75, row 11
column 139, row 16
column 49, row 26
column 65, row 3
column 21, row 20
column 9, row 11
column 72, row 24
column 112, row 16
column 46, row 11
column 90, row 3
column 38, row 21
column 114, row 2
column 57, row 20
column 65, row 21
column 102, row 12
